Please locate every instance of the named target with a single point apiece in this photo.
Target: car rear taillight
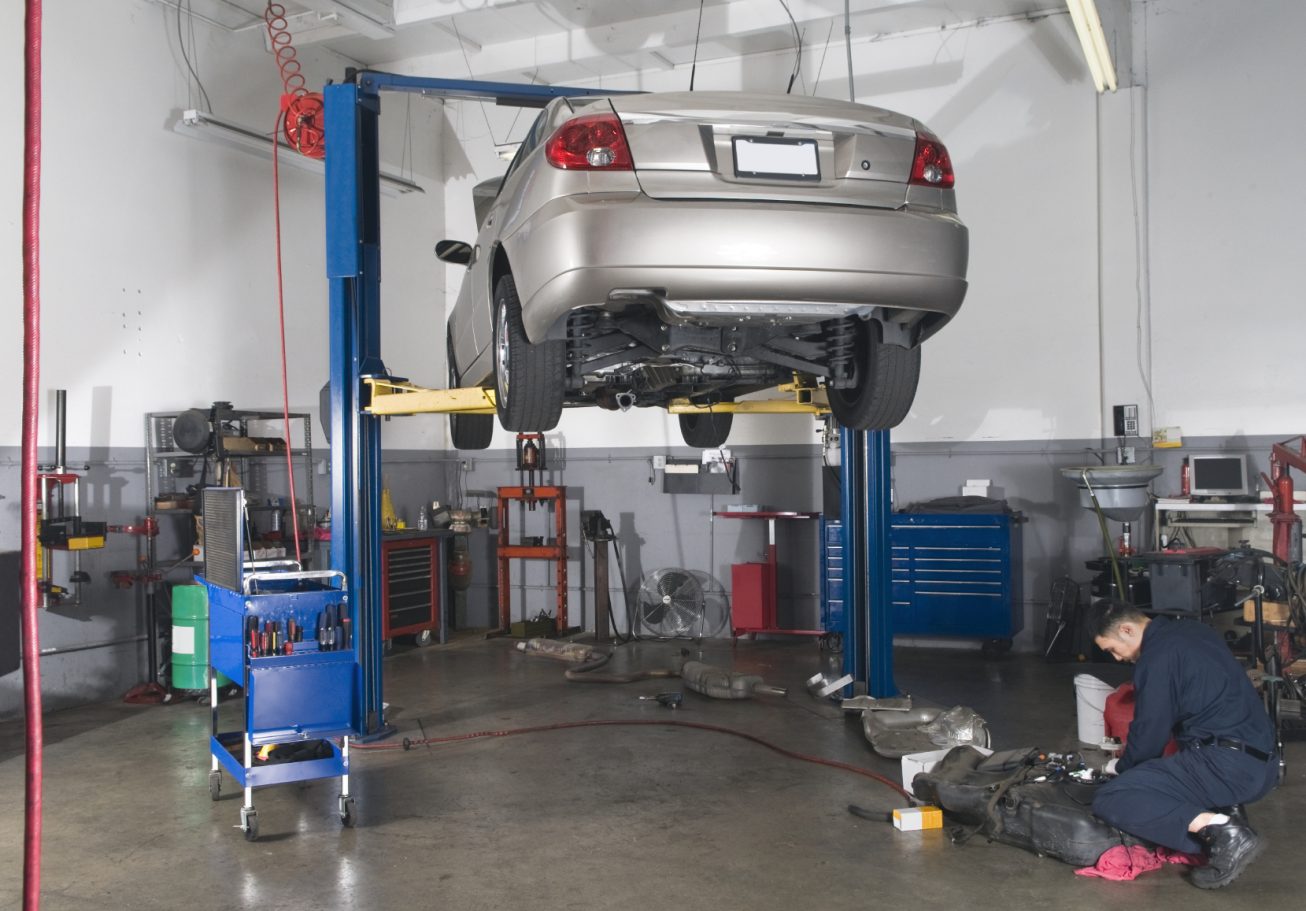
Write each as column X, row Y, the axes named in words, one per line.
column 592, row 142
column 930, row 165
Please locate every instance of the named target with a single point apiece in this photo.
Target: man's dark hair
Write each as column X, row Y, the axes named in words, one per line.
column 1109, row 613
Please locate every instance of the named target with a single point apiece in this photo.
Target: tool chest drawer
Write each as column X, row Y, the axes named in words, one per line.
column 956, row 575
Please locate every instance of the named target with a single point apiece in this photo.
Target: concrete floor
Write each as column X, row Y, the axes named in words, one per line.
column 604, row 817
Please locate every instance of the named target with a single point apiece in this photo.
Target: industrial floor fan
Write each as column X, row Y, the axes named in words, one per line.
column 681, row 604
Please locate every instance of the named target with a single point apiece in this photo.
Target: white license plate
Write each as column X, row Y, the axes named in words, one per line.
column 784, row 159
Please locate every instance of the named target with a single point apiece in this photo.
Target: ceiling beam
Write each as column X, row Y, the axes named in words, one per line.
column 363, row 17
column 726, row 27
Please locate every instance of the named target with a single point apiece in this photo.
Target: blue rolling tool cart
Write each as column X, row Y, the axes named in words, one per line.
column 953, row 575
column 286, row 635
column 958, row 574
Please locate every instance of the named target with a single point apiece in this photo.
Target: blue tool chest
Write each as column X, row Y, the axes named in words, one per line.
column 954, row 574
column 833, row 604
column 957, row 574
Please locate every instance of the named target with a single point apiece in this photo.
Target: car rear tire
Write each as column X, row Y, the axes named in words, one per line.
column 529, row 380
column 885, row 379
column 468, row 431
column 706, row 430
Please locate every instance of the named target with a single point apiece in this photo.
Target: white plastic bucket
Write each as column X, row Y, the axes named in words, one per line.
column 1090, row 707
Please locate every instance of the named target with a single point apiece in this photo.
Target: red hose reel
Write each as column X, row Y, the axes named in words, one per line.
column 302, row 112
column 303, row 124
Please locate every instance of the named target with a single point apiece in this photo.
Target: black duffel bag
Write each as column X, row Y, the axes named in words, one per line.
column 1001, row 798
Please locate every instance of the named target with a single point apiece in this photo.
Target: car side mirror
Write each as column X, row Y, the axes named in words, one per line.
column 457, row 252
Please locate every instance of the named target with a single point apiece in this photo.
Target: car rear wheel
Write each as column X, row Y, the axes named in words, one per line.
column 884, row 383
column 706, row 430
column 468, row 431
column 529, row 380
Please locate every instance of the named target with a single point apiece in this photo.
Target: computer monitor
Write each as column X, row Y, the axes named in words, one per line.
column 1218, row 476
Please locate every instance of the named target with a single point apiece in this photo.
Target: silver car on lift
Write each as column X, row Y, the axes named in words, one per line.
column 706, row 245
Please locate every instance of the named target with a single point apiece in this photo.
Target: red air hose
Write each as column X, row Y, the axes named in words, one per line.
column 31, row 413
column 281, row 319
column 407, row 744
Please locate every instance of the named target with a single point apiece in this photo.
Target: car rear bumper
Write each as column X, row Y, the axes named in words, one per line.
column 726, row 261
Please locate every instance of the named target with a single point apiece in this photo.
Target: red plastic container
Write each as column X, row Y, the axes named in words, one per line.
column 1119, row 714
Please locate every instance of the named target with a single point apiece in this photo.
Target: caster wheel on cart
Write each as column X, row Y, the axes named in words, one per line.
column 215, row 785
column 249, row 822
column 992, row 648
column 423, row 639
column 347, row 812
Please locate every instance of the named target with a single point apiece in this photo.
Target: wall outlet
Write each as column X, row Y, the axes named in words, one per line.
column 465, row 464
column 659, row 462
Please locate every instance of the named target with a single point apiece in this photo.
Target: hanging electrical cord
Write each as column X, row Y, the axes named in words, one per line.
column 408, row 744
column 31, row 599
column 181, row 41
column 698, row 33
column 281, row 320
column 848, row 46
column 301, row 119
column 798, row 44
column 820, row 68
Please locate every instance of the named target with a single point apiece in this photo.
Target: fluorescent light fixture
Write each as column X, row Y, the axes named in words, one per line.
column 1088, row 26
column 202, row 125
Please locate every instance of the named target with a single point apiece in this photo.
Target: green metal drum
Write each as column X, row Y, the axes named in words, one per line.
column 190, row 639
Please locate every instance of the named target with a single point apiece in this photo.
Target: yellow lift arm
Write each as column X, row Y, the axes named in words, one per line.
column 397, row 397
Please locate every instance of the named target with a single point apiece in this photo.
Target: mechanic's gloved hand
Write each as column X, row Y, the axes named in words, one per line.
column 1110, row 768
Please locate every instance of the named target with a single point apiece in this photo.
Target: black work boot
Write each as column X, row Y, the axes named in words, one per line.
column 1231, row 847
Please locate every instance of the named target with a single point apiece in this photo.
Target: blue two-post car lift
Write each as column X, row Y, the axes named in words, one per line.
column 353, row 235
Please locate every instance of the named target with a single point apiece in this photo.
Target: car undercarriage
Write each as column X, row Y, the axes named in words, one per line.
column 634, row 357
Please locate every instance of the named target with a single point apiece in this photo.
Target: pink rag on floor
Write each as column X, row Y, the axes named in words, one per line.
column 1121, row 863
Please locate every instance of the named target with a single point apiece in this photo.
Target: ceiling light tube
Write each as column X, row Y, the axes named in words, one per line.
column 204, row 126
column 1092, row 39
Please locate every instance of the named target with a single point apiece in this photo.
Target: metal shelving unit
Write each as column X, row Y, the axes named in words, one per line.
column 170, row 470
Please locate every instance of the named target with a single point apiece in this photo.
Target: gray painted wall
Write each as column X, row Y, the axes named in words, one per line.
column 654, row 530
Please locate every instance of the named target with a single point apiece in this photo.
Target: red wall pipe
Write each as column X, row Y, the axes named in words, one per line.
column 31, row 410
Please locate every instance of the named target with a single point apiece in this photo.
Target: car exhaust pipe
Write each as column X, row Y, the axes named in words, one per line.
column 625, row 400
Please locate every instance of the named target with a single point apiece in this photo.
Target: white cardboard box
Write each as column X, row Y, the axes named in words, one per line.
column 915, row 763
column 913, row 819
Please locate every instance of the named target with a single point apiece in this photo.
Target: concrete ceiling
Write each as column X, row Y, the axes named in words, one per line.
column 559, row 41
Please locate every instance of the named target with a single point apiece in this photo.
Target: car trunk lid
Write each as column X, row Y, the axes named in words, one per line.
column 768, row 147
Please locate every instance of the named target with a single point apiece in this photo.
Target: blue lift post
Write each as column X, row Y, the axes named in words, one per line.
column 866, row 489
column 353, row 261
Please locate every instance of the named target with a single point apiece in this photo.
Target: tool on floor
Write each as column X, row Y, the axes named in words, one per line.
column 667, row 700
column 824, row 686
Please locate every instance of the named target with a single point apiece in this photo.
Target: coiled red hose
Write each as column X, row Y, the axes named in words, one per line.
column 31, row 413
column 302, row 110
column 407, row 744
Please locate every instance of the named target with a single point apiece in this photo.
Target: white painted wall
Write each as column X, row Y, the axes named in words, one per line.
column 1226, row 129
column 158, row 268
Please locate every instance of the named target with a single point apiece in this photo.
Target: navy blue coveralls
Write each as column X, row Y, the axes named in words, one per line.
column 1189, row 685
